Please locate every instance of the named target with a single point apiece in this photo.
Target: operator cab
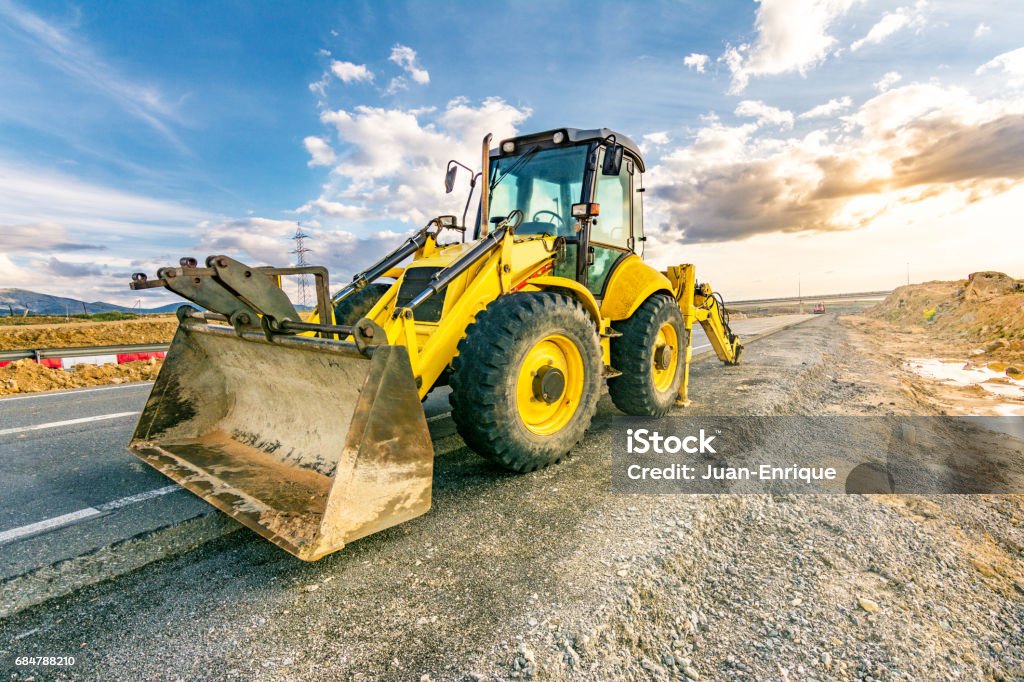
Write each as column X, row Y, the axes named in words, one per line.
column 545, row 174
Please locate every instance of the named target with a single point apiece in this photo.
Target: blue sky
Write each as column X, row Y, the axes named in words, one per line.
column 804, row 132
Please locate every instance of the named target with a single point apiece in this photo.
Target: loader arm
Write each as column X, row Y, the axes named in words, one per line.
column 700, row 304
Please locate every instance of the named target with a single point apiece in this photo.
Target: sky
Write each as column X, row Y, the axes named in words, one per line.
column 831, row 145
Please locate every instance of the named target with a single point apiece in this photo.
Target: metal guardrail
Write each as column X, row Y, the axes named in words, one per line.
column 808, row 298
column 81, row 351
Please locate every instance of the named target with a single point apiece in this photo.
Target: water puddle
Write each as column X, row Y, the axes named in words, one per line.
column 958, row 373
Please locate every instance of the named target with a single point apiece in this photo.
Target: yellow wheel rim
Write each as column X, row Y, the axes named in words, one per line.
column 550, row 385
column 665, row 358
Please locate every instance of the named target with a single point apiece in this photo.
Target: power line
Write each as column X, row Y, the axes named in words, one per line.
column 300, row 252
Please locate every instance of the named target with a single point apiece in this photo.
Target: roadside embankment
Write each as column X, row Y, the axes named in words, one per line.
column 27, row 376
column 154, row 329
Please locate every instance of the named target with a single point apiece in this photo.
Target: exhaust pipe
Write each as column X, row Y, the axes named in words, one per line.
column 485, row 191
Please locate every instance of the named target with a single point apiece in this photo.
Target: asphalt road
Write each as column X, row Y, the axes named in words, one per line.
column 63, row 452
column 64, row 467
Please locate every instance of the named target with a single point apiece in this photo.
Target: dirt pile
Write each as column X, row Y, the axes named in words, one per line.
column 25, row 376
column 986, row 310
column 74, row 334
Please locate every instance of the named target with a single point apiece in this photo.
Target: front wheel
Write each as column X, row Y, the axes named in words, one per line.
column 651, row 356
column 526, row 381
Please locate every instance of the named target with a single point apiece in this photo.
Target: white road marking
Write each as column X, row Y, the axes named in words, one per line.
column 66, row 422
column 48, row 524
column 140, row 497
column 76, row 391
column 704, row 345
column 80, row 515
column 437, row 417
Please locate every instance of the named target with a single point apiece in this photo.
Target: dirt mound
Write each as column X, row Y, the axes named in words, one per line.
column 25, row 376
column 986, row 309
column 74, row 334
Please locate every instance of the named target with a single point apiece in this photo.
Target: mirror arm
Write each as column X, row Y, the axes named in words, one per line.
column 465, row 211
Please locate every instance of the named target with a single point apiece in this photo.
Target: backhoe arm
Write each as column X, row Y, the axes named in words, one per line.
column 700, row 304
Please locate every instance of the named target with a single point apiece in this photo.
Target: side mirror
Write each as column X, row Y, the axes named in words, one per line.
column 612, row 160
column 449, row 178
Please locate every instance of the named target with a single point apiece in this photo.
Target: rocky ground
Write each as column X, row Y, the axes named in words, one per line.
column 26, row 376
column 550, row 576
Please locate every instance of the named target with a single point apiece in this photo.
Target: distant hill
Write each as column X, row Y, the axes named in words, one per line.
column 45, row 304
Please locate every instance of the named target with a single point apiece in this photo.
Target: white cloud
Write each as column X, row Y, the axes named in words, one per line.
column 320, row 151
column 55, row 224
column 40, row 237
column 915, row 145
column 890, row 23
column 397, row 84
column 80, row 62
column 267, row 241
column 982, row 30
column 60, row 268
column 31, row 195
column 1010, row 63
column 764, row 113
column 335, row 209
column 658, row 138
column 391, row 165
column 792, row 35
column 405, row 57
column 833, row 106
column 696, row 61
column 890, row 79
column 348, row 72
column 319, row 88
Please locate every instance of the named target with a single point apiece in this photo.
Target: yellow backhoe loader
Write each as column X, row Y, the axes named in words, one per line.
column 312, row 432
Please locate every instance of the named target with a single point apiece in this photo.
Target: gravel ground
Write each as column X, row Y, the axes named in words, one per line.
column 549, row 576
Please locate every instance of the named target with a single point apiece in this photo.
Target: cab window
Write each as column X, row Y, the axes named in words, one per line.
column 612, row 225
column 543, row 184
column 609, row 234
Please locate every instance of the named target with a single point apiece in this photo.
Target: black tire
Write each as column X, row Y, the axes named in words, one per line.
column 354, row 307
column 485, row 376
column 634, row 391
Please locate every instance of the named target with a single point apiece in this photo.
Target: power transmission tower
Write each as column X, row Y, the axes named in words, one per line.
column 300, row 252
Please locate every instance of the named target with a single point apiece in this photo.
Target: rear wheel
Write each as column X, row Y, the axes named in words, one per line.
column 526, row 381
column 650, row 356
column 355, row 306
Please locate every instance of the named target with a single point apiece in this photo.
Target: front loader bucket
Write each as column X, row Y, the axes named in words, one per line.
column 305, row 441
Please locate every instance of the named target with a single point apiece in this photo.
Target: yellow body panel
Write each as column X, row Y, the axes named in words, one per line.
column 579, row 291
column 432, row 346
column 525, row 264
column 632, row 282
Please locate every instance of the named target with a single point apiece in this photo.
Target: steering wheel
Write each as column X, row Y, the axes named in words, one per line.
column 561, row 221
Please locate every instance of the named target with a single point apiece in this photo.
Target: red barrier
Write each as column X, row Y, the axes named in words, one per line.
column 56, row 363
column 135, row 357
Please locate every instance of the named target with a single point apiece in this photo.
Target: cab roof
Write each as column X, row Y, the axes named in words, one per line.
column 575, row 136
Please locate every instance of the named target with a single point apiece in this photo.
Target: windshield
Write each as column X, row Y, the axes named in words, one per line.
column 543, row 185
